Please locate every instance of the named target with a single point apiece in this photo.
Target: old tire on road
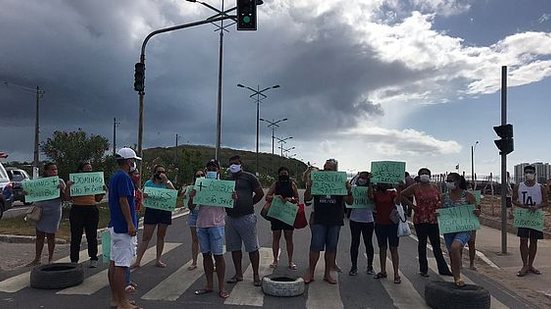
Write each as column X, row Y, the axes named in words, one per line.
column 281, row 286
column 57, row 276
column 440, row 294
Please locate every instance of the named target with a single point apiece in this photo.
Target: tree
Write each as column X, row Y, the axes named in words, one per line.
column 68, row 149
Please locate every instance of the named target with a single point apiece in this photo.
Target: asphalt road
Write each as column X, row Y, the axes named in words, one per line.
column 174, row 286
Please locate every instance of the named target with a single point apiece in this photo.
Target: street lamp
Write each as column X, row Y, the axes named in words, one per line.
column 285, row 150
column 282, row 141
column 273, row 124
column 258, row 93
column 473, row 148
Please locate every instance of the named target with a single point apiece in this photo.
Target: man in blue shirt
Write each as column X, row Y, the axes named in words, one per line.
column 122, row 226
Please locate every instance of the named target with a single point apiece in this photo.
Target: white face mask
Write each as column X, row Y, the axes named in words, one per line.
column 530, row 176
column 212, row 175
column 235, row 168
column 450, row 185
column 424, row 178
column 133, row 166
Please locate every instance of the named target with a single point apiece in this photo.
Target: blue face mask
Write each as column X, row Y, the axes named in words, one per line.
column 212, row 175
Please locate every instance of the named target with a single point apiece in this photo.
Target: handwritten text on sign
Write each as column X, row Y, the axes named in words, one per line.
column 388, row 172
column 528, row 219
column 360, row 198
column 214, row 192
column 329, row 183
column 159, row 198
column 41, row 189
column 457, row 219
column 86, row 183
column 285, row 212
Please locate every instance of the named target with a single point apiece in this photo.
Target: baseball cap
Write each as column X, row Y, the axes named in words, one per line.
column 126, row 153
column 213, row 162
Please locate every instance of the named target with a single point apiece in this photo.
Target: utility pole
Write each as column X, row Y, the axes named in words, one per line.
column 503, row 163
column 176, row 139
column 115, row 125
column 36, row 161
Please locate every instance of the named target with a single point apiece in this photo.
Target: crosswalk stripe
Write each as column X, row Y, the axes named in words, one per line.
column 176, row 284
column 322, row 294
column 403, row 295
column 96, row 282
column 244, row 293
column 19, row 282
column 495, row 304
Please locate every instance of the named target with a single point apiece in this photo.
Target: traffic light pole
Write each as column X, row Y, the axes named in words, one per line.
column 142, row 61
column 503, row 163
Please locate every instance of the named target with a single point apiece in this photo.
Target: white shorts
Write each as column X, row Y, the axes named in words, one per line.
column 123, row 248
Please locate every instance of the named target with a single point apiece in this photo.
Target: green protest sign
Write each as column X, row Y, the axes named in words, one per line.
column 285, row 212
column 391, row 172
column 477, row 195
column 87, row 183
column 214, row 192
column 329, row 183
column 41, row 189
column 457, row 219
column 106, row 246
column 360, row 198
column 529, row 219
column 160, row 198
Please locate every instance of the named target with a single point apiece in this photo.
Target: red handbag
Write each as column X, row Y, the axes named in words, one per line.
column 300, row 220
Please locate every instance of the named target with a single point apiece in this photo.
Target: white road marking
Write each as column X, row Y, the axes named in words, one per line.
column 321, row 294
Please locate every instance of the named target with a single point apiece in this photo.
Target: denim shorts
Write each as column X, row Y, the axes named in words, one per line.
column 192, row 219
column 387, row 235
column 462, row 237
column 241, row 231
column 211, row 240
column 324, row 237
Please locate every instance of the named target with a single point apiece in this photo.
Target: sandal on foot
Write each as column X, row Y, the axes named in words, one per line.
column 308, row 281
column 293, row 266
column 160, row 264
column 192, row 267
column 257, row 282
column 273, row 265
column 130, row 289
column 223, row 294
column 534, row 271
column 424, row 274
column 522, row 272
column 330, row 280
column 379, row 275
column 202, row 291
column 233, row 280
column 459, row 283
column 397, row 280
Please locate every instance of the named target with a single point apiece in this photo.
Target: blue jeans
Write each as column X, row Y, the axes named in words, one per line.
column 325, row 237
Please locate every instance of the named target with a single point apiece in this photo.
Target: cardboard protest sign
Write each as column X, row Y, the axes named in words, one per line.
column 390, row 172
column 214, row 192
column 160, row 198
column 477, row 195
column 87, row 183
column 360, row 198
column 283, row 211
column 529, row 219
column 329, row 183
column 41, row 189
column 458, row 219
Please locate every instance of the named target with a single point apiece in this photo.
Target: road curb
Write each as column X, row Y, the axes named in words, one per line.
column 496, row 224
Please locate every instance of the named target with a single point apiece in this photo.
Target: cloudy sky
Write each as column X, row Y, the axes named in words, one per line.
column 361, row 80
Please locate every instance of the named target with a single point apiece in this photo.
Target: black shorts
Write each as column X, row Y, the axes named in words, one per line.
column 387, row 233
column 529, row 233
column 278, row 225
column 157, row 216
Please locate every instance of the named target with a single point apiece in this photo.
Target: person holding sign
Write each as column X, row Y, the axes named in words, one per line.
column 325, row 225
column 210, row 231
column 361, row 223
column 428, row 200
column 241, row 221
column 48, row 224
column 532, row 196
column 155, row 218
column 84, row 216
column 457, row 195
column 286, row 189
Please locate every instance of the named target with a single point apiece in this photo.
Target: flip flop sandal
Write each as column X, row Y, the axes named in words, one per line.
column 293, row 266
column 234, row 280
column 459, row 283
column 308, row 281
column 273, row 265
column 397, row 280
column 223, row 294
column 534, row 271
column 380, row 275
column 130, row 289
column 330, row 281
column 202, row 291
column 192, row 267
column 521, row 273
column 257, row 283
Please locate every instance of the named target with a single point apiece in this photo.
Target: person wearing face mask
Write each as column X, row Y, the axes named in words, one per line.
column 192, row 221
column 361, row 223
column 286, row 189
column 210, row 231
column 155, row 218
column 84, row 217
column 533, row 196
column 241, row 221
column 457, row 195
column 428, row 200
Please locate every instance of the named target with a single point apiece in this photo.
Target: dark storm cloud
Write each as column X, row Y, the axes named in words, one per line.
column 83, row 53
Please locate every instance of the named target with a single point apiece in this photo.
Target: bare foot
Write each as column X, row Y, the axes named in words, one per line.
column 308, row 278
column 33, row 263
column 160, row 264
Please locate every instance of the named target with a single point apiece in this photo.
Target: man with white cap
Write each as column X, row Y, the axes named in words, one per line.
column 122, row 226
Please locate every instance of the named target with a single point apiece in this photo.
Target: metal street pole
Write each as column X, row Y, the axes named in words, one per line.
column 473, row 147
column 176, row 139
column 115, row 124
column 503, row 163
column 273, row 124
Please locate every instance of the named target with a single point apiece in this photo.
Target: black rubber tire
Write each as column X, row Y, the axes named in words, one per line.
column 446, row 295
column 57, row 276
column 281, row 286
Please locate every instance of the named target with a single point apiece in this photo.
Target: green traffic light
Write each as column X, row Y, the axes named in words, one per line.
column 247, row 19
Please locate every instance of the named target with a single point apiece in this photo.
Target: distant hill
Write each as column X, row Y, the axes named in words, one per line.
column 182, row 161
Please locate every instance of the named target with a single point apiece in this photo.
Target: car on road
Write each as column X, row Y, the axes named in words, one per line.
column 17, row 176
column 6, row 194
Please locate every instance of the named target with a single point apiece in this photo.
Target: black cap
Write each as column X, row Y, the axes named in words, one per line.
column 213, row 162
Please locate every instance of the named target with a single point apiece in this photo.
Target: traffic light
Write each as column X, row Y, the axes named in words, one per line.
column 139, row 77
column 246, row 15
column 505, row 144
